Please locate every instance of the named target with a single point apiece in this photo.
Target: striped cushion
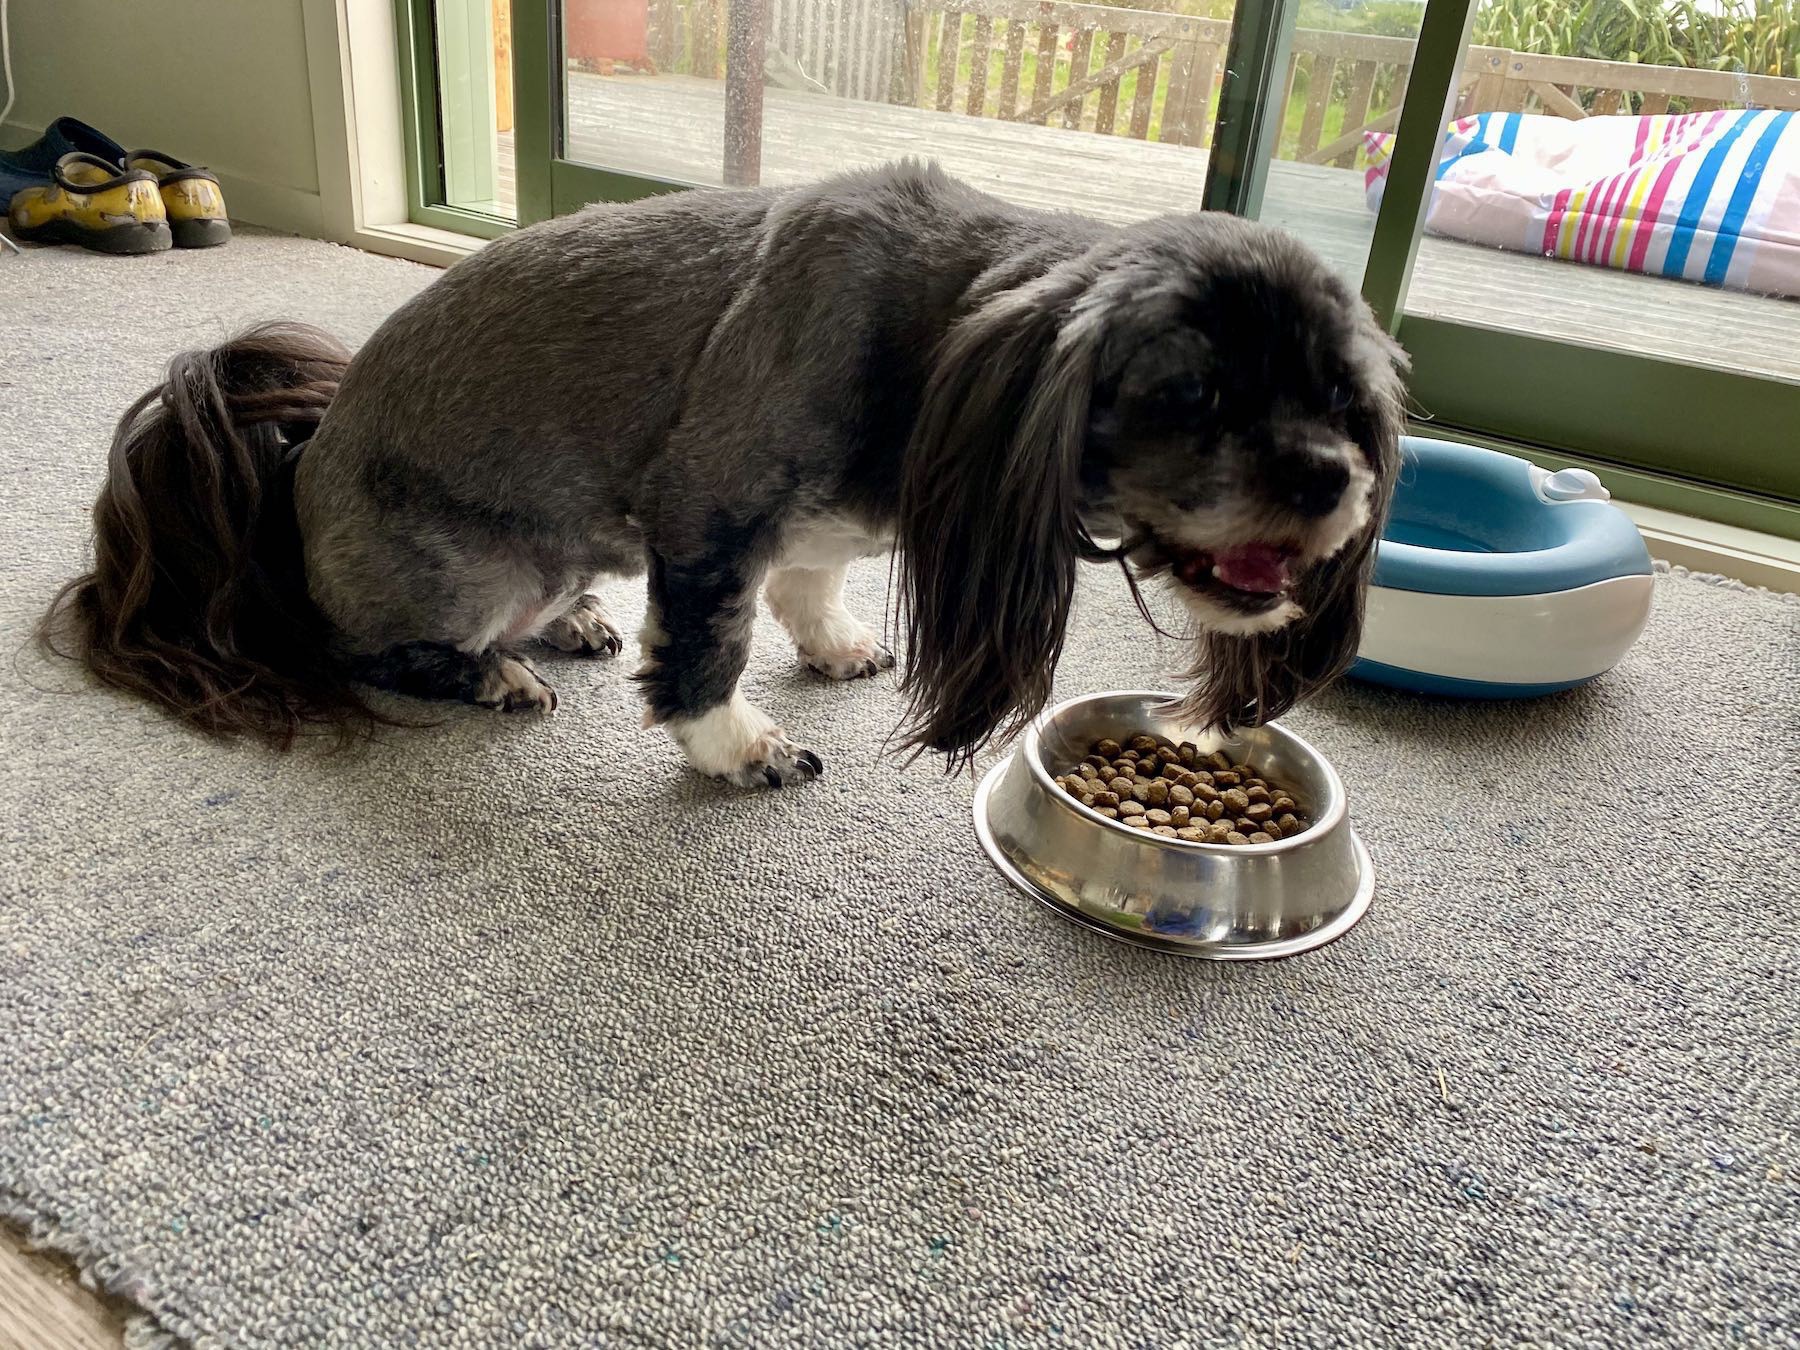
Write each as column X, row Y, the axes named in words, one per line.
column 1712, row 197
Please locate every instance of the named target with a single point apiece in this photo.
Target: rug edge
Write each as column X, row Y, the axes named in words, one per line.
column 149, row 1323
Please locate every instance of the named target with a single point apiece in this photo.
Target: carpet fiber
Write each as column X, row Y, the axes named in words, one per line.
column 509, row 1031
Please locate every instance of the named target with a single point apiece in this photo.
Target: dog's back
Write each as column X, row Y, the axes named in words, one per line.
column 523, row 414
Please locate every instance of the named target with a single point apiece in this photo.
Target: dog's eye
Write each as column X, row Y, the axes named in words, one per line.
column 1190, row 395
column 1340, row 397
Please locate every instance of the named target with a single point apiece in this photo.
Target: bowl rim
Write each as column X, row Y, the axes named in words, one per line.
column 1322, row 826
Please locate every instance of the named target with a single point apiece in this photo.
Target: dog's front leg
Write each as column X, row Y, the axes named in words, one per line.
column 696, row 640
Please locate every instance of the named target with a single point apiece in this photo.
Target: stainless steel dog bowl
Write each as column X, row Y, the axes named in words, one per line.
column 1246, row 902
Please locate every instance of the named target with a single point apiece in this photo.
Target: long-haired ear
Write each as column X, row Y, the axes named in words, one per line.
column 1245, row 681
column 989, row 535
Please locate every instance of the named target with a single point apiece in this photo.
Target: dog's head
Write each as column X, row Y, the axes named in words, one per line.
column 1201, row 398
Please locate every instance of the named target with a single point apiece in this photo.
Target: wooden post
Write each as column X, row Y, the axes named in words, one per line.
column 744, row 43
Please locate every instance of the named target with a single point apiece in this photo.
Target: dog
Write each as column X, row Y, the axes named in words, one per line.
column 742, row 391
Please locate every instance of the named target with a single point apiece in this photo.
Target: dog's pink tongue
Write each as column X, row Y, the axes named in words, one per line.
column 1258, row 568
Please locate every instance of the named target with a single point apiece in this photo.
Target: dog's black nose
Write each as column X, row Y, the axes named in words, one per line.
column 1309, row 484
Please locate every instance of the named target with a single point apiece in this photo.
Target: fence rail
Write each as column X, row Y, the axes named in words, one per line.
column 1155, row 76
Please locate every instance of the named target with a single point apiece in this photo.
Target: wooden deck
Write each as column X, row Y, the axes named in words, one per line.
column 673, row 126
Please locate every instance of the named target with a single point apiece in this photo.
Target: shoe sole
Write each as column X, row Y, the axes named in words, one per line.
column 148, row 236
column 200, row 233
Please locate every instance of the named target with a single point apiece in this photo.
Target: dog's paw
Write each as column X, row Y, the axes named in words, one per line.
column 738, row 742
column 856, row 660
column 775, row 761
column 511, row 685
column 583, row 631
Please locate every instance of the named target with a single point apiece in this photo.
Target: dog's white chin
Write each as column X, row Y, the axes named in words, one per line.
column 1216, row 617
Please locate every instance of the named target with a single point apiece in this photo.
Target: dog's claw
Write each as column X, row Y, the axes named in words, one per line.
column 584, row 631
column 777, row 763
column 856, row 663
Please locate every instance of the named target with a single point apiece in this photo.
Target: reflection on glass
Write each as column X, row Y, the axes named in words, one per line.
column 1096, row 108
column 1626, row 175
column 1346, row 80
column 473, row 43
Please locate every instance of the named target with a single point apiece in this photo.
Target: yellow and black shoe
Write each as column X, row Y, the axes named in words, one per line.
column 191, row 199
column 95, row 204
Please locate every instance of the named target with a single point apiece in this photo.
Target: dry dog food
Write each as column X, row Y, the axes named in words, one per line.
column 1150, row 784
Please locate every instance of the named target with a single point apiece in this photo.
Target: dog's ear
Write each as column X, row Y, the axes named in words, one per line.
column 1245, row 681
column 989, row 535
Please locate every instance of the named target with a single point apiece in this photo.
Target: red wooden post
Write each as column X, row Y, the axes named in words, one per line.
column 744, row 45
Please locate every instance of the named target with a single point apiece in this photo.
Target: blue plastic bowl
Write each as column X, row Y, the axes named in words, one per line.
column 1498, row 579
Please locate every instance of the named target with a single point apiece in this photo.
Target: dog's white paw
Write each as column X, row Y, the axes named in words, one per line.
column 511, row 685
column 583, row 631
column 738, row 742
column 858, row 659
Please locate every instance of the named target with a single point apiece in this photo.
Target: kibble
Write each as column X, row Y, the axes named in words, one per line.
column 1177, row 792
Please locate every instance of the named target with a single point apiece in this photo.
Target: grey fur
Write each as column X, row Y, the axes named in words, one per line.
column 695, row 381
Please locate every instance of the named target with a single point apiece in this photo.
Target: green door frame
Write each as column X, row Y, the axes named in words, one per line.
column 422, row 110
column 1721, row 445
column 546, row 183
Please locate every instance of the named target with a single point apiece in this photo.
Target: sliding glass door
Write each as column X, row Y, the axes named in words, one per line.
column 1582, row 219
column 1102, row 109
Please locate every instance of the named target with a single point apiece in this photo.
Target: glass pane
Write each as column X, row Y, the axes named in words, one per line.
column 1346, row 78
column 1626, row 176
column 473, row 41
column 1101, row 109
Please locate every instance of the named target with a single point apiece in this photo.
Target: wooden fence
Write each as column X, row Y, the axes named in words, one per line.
column 1155, row 76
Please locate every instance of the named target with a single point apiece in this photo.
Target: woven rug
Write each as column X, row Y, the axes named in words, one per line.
column 508, row 1031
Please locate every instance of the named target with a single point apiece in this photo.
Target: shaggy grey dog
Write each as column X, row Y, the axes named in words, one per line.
column 740, row 392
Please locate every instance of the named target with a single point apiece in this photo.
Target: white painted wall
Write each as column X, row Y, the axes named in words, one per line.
column 223, row 83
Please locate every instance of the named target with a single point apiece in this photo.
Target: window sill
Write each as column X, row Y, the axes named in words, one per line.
column 419, row 243
column 1748, row 556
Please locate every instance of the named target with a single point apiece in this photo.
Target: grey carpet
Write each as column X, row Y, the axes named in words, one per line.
column 510, row 1032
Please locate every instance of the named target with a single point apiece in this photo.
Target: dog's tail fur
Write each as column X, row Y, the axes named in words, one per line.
column 197, row 598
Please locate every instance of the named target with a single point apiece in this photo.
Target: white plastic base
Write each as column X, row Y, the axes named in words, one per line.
column 1556, row 638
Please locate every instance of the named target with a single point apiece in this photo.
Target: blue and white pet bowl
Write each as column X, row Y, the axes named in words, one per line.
column 1498, row 579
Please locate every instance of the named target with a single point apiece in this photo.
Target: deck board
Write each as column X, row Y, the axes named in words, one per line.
column 673, row 126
